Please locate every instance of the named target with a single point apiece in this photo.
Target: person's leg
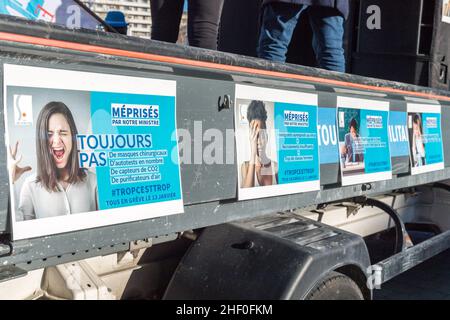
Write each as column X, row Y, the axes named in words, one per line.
column 203, row 23
column 166, row 16
column 277, row 25
column 328, row 34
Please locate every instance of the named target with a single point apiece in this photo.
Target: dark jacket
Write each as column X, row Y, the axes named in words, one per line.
column 340, row 5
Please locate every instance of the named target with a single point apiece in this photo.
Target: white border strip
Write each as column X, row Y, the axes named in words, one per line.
column 275, row 95
column 366, row 177
column 88, row 220
column 278, row 190
column 37, row 77
column 420, row 100
column 357, row 103
column 423, row 108
column 428, row 168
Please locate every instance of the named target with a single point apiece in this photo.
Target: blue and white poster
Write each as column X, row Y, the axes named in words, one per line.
column 398, row 134
column 276, row 141
column 425, row 138
column 89, row 150
column 363, row 140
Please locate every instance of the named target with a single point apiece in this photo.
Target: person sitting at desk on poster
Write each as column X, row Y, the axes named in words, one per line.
column 60, row 186
column 418, row 147
column 260, row 165
column 352, row 150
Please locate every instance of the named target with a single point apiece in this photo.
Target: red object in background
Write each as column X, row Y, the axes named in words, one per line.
column 46, row 13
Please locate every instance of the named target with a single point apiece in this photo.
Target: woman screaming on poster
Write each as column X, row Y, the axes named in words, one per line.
column 60, row 186
column 260, row 170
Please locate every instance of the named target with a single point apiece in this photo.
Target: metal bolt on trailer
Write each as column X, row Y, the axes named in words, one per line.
column 211, row 88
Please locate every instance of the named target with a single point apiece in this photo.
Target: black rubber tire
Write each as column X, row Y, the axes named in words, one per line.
column 335, row 286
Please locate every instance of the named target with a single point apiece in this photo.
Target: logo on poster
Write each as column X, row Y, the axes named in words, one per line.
column 431, row 122
column 374, row 122
column 296, row 119
column 134, row 115
column 23, row 110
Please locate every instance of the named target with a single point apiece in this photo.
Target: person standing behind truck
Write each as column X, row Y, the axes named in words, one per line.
column 203, row 21
column 116, row 19
column 326, row 17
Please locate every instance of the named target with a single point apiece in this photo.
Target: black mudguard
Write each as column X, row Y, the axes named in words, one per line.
column 273, row 257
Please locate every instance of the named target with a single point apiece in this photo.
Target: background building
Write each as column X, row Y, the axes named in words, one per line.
column 137, row 13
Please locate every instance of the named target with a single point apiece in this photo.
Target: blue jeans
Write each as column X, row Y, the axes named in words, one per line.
column 279, row 21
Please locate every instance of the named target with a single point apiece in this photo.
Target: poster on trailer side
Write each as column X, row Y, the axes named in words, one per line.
column 276, row 141
column 425, row 138
column 86, row 147
column 363, row 140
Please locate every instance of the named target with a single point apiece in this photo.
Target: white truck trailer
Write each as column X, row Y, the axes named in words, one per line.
column 157, row 205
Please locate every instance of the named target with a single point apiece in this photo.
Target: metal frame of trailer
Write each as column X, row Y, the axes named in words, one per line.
column 40, row 44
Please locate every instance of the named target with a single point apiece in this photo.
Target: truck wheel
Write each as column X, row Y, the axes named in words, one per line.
column 335, row 286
